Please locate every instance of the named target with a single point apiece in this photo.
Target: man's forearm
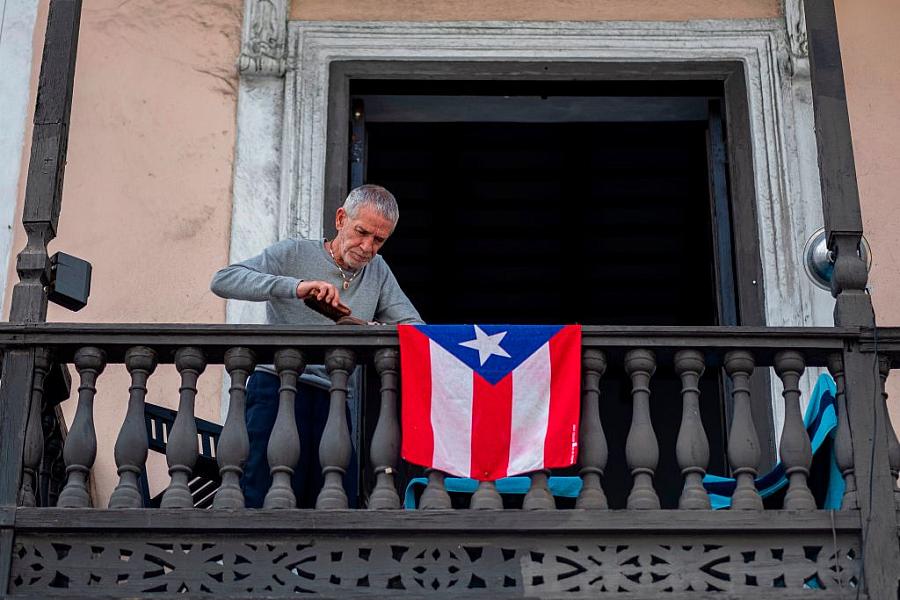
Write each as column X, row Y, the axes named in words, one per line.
column 240, row 282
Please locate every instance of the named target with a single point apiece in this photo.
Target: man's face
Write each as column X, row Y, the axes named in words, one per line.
column 359, row 239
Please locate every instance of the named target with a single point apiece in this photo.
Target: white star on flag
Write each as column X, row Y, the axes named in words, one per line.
column 487, row 345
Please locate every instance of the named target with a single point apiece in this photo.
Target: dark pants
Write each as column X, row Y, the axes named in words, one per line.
column 311, row 414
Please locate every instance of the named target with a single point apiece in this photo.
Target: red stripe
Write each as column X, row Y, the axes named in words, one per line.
column 560, row 445
column 415, row 379
column 491, row 427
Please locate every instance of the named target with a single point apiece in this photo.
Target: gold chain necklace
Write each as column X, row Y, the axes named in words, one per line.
column 346, row 279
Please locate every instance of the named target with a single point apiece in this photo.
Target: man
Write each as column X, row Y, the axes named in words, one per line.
column 344, row 270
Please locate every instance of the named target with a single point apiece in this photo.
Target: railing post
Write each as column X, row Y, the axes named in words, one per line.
column 853, row 305
column 641, row 447
column 592, row 449
column 283, row 450
column 46, row 168
column 34, row 433
column 692, row 447
column 234, row 443
column 743, row 442
column 43, row 196
column 14, row 392
column 18, row 370
column 131, row 445
column 335, row 448
column 871, row 467
column 386, row 439
column 181, row 447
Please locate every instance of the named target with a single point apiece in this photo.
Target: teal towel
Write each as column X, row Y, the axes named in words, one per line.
column 820, row 421
column 563, row 487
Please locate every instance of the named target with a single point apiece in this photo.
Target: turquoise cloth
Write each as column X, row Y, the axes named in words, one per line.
column 820, row 421
column 563, row 487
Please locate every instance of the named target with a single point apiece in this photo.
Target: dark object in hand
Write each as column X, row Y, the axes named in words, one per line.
column 348, row 320
column 335, row 313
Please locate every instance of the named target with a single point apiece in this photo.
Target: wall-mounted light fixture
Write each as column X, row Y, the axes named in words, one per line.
column 70, row 281
column 818, row 260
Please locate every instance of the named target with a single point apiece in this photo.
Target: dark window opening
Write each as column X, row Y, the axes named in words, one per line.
column 592, row 223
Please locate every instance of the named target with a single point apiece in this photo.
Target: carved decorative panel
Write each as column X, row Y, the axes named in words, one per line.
column 798, row 39
column 519, row 566
column 264, row 38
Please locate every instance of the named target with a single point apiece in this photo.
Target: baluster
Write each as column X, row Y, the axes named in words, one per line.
column 34, row 431
column 80, row 448
column 796, row 452
column 283, row 451
column 181, row 447
column 435, row 496
column 131, row 445
column 334, row 449
column 641, row 447
column 539, row 496
column 486, row 497
column 386, row 439
column 884, row 369
column 743, row 443
column 843, row 443
column 692, row 447
column 52, row 475
column 234, row 444
column 593, row 452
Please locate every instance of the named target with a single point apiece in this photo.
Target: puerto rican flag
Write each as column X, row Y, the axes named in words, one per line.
column 490, row 401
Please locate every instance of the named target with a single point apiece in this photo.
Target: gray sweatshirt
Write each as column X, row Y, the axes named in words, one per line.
column 272, row 277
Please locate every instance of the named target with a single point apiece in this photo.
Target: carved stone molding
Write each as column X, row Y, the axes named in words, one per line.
column 795, row 22
column 264, row 38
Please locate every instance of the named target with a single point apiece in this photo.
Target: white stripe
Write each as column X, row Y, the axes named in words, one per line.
column 451, row 412
column 530, row 412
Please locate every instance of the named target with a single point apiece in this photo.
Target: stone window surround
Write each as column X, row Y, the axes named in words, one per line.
column 279, row 177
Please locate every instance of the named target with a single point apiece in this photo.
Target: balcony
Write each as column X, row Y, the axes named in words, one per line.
column 632, row 551
column 650, row 539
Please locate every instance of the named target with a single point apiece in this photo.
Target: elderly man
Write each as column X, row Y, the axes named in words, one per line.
column 346, row 269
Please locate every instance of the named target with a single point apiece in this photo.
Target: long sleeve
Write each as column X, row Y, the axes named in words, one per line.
column 393, row 304
column 259, row 278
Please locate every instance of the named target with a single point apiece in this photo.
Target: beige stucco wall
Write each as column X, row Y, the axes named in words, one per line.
column 147, row 195
column 870, row 46
column 532, row 10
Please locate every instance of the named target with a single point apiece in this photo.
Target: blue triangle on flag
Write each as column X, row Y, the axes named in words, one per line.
column 473, row 343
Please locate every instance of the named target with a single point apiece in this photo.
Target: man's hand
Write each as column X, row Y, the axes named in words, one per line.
column 320, row 290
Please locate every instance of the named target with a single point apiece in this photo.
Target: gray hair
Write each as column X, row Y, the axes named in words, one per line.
column 375, row 196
